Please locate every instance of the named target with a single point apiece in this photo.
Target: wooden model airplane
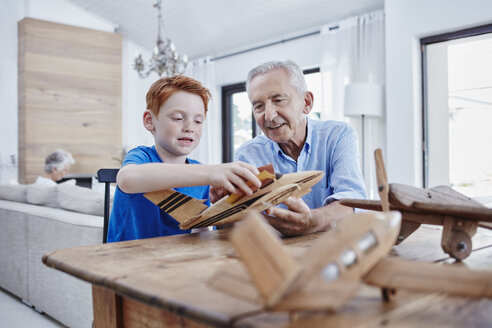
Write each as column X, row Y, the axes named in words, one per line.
column 328, row 274
column 193, row 213
column 458, row 214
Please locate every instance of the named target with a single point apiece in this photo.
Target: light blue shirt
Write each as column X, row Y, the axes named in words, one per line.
column 330, row 146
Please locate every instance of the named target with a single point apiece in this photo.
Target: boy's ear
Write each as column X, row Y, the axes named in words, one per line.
column 148, row 120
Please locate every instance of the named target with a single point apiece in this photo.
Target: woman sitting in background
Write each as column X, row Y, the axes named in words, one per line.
column 56, row 167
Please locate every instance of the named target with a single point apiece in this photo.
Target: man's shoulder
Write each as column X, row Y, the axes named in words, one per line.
column 330, row 124
column 331, row 129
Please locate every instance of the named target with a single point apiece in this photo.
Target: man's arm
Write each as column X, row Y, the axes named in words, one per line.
column 299, row 219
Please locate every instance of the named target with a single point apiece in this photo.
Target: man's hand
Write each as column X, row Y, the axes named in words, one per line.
column 299, row 219
column 294, row 221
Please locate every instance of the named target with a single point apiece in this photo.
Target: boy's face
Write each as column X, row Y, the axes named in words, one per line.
column 177, row 129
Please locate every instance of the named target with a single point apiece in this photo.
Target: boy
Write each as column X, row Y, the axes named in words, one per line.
column 176, row 109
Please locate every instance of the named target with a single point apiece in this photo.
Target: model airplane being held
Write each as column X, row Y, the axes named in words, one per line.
column 458, row 214
column 275, row 188
column 327, row 275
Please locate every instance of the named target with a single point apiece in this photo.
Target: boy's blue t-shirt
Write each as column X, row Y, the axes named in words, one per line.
column 135, row 217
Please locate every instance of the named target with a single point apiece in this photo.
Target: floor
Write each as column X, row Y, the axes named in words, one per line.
column 15, row 314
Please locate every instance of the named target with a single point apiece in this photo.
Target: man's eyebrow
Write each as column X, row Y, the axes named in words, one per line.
column 254, row 102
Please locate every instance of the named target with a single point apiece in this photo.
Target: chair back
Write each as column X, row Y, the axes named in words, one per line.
column 106, row 176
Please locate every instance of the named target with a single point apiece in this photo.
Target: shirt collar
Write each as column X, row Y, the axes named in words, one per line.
column 309, row 136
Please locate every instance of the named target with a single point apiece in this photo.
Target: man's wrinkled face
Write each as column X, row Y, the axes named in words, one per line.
column 278, row 108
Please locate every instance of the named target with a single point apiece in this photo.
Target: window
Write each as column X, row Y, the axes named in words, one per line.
column 457, row 111
column 238, row 122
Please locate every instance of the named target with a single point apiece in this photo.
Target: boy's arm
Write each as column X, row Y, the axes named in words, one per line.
column 149, row 177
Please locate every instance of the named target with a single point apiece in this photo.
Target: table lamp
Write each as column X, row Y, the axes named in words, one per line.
column 363, row 99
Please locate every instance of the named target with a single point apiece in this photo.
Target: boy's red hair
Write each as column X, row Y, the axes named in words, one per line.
column 164, row 88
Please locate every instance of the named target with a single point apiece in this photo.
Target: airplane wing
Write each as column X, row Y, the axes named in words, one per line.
column 181, row 207
column 274, row 192
column 406, row 196
column 469, row 212
column 269, row 270
column 271, row 267
column 186, row 209
column 314, row 281
column 475, row 213
column 393, row 272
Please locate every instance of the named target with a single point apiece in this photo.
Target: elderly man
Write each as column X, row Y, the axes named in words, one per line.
column 293, row 143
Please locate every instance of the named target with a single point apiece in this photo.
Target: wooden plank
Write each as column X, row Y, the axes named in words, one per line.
column 69, row 96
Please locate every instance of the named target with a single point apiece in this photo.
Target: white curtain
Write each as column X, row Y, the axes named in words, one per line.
column 209, row 149
column 353, row 51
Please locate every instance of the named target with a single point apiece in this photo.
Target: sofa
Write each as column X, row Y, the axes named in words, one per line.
column 35, row 221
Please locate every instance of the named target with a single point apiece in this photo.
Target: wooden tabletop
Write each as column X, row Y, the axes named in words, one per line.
column 174, row 273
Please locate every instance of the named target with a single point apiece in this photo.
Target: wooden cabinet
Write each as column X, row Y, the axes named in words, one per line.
column 70, row 88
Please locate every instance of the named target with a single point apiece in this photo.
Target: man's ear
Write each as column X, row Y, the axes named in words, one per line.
column 148, row 120
column 308, row 102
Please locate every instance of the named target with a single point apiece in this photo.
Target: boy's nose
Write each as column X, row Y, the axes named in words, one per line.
column 188, row 126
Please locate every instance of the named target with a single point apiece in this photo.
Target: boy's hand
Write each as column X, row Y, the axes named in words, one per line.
column 232, row 177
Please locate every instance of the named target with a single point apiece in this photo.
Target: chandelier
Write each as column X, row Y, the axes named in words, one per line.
column 165, row 60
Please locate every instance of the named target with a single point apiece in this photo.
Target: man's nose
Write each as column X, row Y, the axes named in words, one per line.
column 270, row 112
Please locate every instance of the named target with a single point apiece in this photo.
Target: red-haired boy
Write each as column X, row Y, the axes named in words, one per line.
column 176, row 109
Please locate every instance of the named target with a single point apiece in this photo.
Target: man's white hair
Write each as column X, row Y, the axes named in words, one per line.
column 295, row 73
column 59, row 159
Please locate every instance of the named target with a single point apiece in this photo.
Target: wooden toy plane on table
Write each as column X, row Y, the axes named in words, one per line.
column 458, row 214
column 275, row 188
column 328, row 274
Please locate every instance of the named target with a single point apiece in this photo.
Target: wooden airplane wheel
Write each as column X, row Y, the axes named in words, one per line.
column 460, row 245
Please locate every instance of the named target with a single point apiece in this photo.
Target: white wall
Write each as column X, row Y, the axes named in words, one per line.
column 406, row 22
column 306, row 52
column 133, row 98
column 60, row 11
column 10, row 13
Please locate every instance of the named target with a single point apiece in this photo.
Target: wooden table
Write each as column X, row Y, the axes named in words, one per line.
column 164, row 282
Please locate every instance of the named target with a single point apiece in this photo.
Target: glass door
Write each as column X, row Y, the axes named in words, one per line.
column 457, row 114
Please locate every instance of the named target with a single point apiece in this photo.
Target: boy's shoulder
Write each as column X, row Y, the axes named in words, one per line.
column 142, row 154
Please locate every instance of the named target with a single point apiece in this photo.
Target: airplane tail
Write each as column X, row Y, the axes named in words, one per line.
column 181, row 207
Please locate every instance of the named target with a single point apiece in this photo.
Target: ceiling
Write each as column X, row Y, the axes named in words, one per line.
column 217, row 27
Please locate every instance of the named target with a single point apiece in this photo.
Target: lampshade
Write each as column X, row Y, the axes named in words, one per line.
column 363, row 99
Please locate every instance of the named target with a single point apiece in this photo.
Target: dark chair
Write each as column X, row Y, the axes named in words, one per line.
column 107, row 176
